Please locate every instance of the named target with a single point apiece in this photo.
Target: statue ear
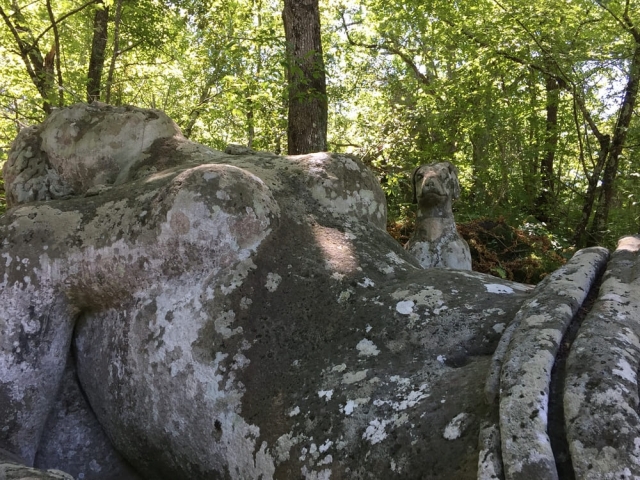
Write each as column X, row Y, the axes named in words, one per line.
column 453, row 173
column 413, row 184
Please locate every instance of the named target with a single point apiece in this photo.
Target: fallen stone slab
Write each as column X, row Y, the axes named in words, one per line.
column 601, row 393
column 520, row 371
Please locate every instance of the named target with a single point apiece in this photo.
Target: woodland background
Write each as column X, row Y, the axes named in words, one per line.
column 534, row 102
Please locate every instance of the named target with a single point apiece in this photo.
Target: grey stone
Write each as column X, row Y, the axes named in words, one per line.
column 436, row 242
column 238, row 316
column 236, row 149
column 526, row 371
column 601, row 394
column 73, row 440
column 12, row 468
column 247, row 316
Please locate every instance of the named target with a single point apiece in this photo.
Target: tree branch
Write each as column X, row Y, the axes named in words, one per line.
column 63, row 18
column 22, row 47
column 56, row 38
column 389, row 48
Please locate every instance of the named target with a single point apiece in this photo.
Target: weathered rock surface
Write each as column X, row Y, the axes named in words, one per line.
column 601, row 395
column 236, row 316
column 525, row 375
column 12, row 468
column 73, row 437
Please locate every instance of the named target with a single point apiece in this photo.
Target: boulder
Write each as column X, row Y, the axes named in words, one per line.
column 234, row 315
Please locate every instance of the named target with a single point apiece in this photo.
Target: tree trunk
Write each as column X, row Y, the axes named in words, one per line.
column 98, row 47
column 205, row 98
column 599, row 225
column 543, row 204
column 56, row 55
column 579, row 239
column 307, row 127
column 39, row 71
column 116, row 50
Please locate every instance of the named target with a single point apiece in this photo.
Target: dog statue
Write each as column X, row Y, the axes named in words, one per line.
column 436, row 242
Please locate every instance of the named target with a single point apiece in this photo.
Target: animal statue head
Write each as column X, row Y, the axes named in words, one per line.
column 435, row 183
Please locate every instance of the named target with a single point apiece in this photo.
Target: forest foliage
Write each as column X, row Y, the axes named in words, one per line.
column 535, row 102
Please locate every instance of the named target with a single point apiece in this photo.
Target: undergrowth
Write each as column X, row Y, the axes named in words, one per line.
column 526, row 254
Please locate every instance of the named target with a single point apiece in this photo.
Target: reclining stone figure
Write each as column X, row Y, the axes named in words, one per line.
column 436, row 242
column 248, row 316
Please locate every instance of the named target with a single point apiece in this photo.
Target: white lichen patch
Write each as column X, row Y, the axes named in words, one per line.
column 499, row 327
column 345, row 295
column 325, row 446
column 401, row 381
column 385, row 268
column 313, row 475
column 628, row 337
column 538, row 320
column 349, row 378
column 349, row 163
column 375, row 432
column 294, row 412
column 236, row 277
column 220, row 194
column 245, row 303
column 625, row 370
column 613, row 297
column 348, row 408
column 223, row 323
column 366, row 283
column 367, row 348
column 339, row 368
column 273, row 280
column 394, row 258
column 409, row 400
column 283, row 446
column 456, row 426
column 240, row 361
column 428, row 297
column 337, row 276
column 398, row 294
column 351, row 405
column 405, row 307
column 497, row 288
column 326, row 394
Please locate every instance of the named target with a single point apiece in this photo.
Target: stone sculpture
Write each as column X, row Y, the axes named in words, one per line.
column 436, row 242
column 170, row 311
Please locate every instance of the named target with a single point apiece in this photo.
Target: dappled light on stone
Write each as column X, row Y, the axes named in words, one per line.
column 337, row 249
column 629, row 244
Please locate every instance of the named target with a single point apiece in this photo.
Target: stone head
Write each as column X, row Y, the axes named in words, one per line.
column 435, row 183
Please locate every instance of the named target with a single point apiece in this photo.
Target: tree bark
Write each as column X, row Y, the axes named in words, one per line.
column 543, row 204
column 600, row 218
column 56, row 54
column 98, row 47
column 307, row 126
column 30, row 54
column 116, row 49
column 205, row 98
